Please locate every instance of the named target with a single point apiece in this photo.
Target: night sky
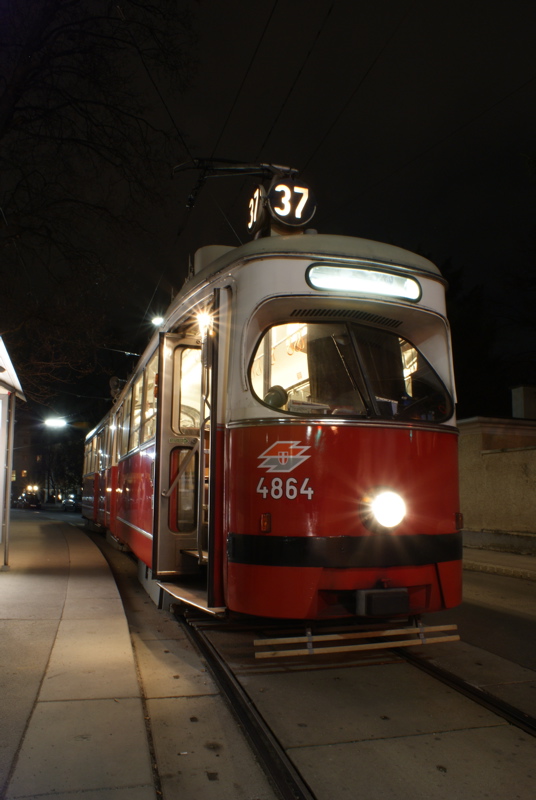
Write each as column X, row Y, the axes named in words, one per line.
column 413, row 122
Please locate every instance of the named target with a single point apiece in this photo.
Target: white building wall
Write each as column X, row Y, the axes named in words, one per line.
column 4, row 400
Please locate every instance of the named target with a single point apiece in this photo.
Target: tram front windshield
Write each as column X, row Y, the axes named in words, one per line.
column 346, row 370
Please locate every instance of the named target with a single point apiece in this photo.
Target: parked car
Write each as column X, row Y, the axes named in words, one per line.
column 30, row 500
column 72, row 502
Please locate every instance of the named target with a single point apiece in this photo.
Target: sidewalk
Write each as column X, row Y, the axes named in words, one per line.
column 498, row 562
column 103, row 701
column 72, row 707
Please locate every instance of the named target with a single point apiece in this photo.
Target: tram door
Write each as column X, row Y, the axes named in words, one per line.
column 181, row 485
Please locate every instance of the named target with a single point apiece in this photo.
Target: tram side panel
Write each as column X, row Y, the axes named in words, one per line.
column 101, row 484
column 134, row 505
column 88, row 482
column 89, row 496
column 111, row 499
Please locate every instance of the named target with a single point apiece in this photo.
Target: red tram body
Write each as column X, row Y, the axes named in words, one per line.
column 290, row 435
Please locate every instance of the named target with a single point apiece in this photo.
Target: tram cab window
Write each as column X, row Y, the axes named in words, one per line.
column 346, row 370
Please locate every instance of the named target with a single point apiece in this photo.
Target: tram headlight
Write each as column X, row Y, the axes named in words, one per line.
column 383, row 508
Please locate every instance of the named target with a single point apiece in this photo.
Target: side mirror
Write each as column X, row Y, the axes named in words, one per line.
column 276, row 397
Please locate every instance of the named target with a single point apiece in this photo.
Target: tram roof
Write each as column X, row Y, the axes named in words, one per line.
column 213, row 259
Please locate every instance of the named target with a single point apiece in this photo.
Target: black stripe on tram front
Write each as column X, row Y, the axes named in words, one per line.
column 343, row 552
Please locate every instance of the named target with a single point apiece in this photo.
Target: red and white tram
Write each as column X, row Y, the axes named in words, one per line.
column 290, row 434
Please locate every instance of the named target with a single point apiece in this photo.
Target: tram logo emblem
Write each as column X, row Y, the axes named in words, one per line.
column 283, row 457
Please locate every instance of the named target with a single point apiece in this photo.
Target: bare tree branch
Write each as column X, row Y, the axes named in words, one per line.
column 82, row 151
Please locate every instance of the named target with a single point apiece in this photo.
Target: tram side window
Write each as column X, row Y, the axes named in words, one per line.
column 101, row 454
column 92, row 455
column 183, row 502
column 135, row 424
column 119, row 432
column 88, row 459
column 149, row 400
column 112, row 440
column 186, row 407
column 125, row 423
column 346, row 370
column 107, row 445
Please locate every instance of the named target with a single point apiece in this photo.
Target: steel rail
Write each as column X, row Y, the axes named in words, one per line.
column 276, row 764
column 500, row 707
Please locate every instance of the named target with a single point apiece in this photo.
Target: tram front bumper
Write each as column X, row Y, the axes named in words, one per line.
column 381, row 602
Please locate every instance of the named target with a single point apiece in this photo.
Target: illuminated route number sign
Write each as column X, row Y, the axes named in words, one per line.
column 288, row 203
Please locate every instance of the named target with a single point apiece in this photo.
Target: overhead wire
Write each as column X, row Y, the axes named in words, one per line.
column 228, row 221
column 244, row 79
column 448, row 135
column 296, row 79
column 202, row 176
column 300, row 72
column 432, row 146
column 232, row 108
column 153, row 82
column 360, row 83
column 289, row 93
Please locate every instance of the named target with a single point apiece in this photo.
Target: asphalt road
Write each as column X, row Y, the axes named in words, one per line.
column 498, row 614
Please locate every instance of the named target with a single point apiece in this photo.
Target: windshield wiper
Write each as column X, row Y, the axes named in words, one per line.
column 352, row 379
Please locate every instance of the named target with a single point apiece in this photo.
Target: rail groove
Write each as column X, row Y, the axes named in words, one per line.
column 500, row 707
column 278, row 767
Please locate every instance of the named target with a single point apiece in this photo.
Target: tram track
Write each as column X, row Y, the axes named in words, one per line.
column 271, row 753
column 277, row 765
column 510, row 713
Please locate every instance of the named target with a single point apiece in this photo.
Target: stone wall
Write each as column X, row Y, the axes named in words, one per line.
column 497, row 459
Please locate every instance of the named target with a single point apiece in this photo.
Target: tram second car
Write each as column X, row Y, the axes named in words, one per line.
column 290, row 435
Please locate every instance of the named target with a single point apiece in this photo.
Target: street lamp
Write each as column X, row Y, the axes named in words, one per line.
column 53, row 423
column 56, row 422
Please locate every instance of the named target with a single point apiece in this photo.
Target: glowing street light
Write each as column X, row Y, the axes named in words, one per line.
column 56, row 422
column 157, row 321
